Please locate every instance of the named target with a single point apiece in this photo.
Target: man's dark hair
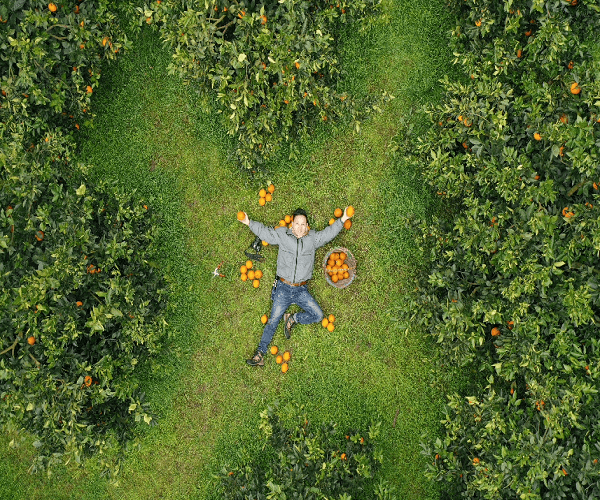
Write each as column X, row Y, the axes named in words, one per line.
column 300, row 211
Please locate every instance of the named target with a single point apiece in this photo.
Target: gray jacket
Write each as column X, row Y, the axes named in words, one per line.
column 296, row 256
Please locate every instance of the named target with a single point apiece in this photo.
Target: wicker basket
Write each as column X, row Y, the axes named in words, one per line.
column 350, row 260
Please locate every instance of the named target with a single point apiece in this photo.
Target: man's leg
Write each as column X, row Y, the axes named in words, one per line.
column 312, row 313
column 281, row 301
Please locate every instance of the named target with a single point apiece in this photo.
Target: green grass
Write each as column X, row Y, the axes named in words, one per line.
column 150, row 135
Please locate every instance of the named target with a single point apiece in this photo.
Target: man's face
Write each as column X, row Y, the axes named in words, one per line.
column 299, row 226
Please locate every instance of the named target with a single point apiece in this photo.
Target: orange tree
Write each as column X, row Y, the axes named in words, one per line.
column 273, row 66
column 510, row 285
column 306, row 461
column 82, row 305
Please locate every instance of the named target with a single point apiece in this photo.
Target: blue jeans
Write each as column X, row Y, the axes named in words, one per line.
column 283, row 297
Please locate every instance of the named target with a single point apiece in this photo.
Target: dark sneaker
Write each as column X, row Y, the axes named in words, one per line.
column 257, row 360
column 288, row 320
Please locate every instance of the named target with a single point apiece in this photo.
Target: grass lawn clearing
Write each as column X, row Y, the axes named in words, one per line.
column 150, row 135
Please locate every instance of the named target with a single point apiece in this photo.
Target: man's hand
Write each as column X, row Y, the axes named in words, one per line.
column 345, row 217
column 245, row 220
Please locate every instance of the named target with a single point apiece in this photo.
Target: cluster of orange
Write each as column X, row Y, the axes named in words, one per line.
column 287, row 221
column 336, row 267
column 328, row 322
column 265, row 195
column 247, row 273
column 281, row 359
column 338, row 212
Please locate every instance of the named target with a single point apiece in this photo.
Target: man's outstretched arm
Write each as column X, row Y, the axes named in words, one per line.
column 326, row 235
column 265, row 233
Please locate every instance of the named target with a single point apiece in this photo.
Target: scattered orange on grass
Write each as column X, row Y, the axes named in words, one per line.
column 249, row 264
column 271, row 188
column 274, row 350
column 269, row 197
column 262, row 201
column 262, row 193
column 288, row 219
column 244, row 277
column 338, row 212
column 258, row 274
column 279, row 359
column 348, row 224
column 330, row 327
column 256, row 283
column 241, row 215
column 286, row 356
column 331, row 318
column 324, row 322
column 251, row 275
column 264, row 318
column 331, row 221
column 243, row 269
column 350, row 211
column 284, row 367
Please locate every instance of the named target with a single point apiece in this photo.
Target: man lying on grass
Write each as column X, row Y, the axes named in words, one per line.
column 295, row 263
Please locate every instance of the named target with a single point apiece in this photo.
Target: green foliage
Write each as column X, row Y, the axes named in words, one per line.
column 302, row 461
column 511, row 289
column 82, row 306
column 273, row 66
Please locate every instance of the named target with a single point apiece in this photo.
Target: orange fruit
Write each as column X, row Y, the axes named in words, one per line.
column 343, row 256
column 262, row 201
column 334, row 256
column 288, row 219
column 243, row 269
column 575, row 88
column 350, row 211
column 338, row 262
column 256, row 283
column 338, row 212
column 334, row 278
column 87, row 380
column 282, row 223
column 331, row 318
column 331, row 221
column 271, row 188
column 249, row 264
column 495, row 332
column 325, row 322
column 284, row 368
column 264, row 243
column 346, row 275
column 244, row 277
column 52, row 7
column 279, row 359
column 258, row 274
column 511, row 324
column 274, row 350
column 79, row 303
column 31, row 340
column 264, row 319
column 251, row 275
column 241, row 215
column 286, row 356
column 348, row 224
column 564, row 118
column 537, row 136
column 269, row 197
column 330, row 327
column 262, row 193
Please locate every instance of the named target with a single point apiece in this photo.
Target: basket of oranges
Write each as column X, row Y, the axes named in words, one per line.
column 339, row 266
